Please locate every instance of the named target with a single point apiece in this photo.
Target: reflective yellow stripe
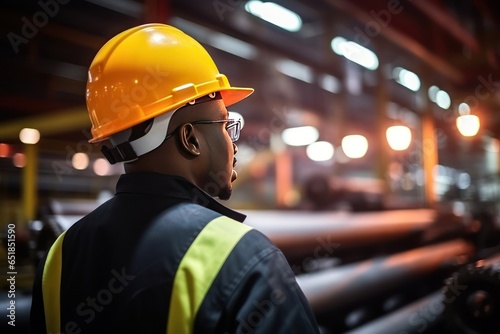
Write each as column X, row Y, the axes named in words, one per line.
column 51, row 287
column 198, row 268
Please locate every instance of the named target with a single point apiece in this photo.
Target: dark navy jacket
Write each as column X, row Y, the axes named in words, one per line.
column 115, row 269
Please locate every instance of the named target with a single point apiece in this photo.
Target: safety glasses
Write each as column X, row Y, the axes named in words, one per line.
column 233, row 127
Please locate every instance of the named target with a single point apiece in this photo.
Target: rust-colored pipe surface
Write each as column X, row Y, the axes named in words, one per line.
column 300, row 234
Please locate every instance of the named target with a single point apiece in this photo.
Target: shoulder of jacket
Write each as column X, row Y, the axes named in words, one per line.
column 188, row 212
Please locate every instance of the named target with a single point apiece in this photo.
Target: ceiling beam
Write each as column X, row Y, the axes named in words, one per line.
column 403, row 41
column 445, row 20
column 127, row 7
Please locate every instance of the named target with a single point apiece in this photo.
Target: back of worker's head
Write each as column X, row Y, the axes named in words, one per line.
column 139, row 78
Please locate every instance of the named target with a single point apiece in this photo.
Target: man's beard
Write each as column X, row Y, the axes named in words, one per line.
column 225, row 192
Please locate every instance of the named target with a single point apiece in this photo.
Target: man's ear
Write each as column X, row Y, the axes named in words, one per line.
column 187, row 140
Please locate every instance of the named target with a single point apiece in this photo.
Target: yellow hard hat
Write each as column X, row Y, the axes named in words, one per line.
column 147, row 71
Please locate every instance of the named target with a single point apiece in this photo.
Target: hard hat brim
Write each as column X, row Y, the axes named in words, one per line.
column 235, row 94
column 230, row 96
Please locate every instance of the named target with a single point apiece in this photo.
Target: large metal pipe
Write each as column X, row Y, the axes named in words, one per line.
column 467, row 304
column 417, row 317
column 357, row 282
column 304, row 234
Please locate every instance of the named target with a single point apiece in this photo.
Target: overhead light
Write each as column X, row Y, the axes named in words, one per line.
column 443, row 99
column 29, row 136
column 468, row 125
column 295, row 70
column 433, row 90
column 80, row 161
column 398, row 137
column 439, row 96
column 4, row 150
column 275, row 14
column 355, row 53
column 101, row 167
column 360, row 55
column 330, row 83
column 463, row 109
column 463, row 180
column 336, row 45
column 354, row 146
column 300, row 136
column 320, row 151
column 19, row 160
column 406, row 78
column 232, row 45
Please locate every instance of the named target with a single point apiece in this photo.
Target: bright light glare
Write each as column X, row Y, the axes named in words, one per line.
column 355, row 146
column 157, row 38
column 320, row 151
column 355, row 53
column 295, row 70
column 330, row 83
column 360, row 55
column 232, row 45
column 433, row 90
column 80, row 161
column 463, row 109
column 29, row 136
column 275, row 14
column 101, row 167
column 336, row 45
column 398, row 137
column 463, row 181
column 443, row 99
column 37, row 225
column 300, row 136
column 468, row 125
column 4, row 150
column 407, row 78
column 19, row 160
column 237, row 116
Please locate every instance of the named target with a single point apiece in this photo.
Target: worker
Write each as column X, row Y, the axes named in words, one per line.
column 163, row 255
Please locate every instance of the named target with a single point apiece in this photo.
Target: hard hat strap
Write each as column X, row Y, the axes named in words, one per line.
column 129, row 151
column 155, row 136
column 119, row 153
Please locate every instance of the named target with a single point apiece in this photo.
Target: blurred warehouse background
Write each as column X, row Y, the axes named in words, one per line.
column 369, row 153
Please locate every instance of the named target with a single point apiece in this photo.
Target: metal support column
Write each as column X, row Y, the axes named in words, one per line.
column 429, row 151
column 30, row 183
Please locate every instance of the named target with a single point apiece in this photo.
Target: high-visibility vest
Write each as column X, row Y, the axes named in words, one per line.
column 195, row 274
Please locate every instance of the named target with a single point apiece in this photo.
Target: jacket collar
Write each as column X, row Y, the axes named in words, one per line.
column 173, row 187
